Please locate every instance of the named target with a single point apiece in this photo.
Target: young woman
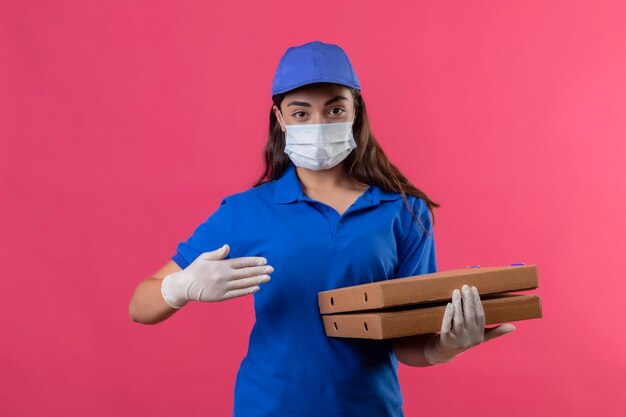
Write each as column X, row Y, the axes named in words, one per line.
column 329, row 211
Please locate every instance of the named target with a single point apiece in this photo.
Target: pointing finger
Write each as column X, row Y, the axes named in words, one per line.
column 246, row 261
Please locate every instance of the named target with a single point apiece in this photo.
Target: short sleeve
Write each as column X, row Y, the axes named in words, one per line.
column 416, row 255
column 207, row 237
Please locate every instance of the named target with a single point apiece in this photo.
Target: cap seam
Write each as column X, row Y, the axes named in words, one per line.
column 317, row 61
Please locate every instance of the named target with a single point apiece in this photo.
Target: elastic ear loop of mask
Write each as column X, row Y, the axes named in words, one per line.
column 281, row 117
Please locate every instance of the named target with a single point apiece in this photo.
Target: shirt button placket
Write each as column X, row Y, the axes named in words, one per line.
column 338, row 228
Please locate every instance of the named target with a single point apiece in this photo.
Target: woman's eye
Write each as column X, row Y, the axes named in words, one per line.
column 299, row 112
column 337, row 108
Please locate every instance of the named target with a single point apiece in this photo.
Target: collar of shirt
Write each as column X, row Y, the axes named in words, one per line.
column 289, row 189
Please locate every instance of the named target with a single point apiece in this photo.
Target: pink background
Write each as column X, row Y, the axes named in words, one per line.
column 123, row 124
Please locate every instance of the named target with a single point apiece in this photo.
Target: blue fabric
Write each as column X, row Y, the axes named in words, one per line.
column 292, row 368
column 314, row 62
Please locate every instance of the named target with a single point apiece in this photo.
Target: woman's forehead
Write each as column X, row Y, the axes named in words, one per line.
column 318, row 92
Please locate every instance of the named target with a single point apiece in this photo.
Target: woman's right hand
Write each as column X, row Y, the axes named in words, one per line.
column 212, row 278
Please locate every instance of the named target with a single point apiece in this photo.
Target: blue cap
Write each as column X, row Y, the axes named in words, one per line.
column 313, row 62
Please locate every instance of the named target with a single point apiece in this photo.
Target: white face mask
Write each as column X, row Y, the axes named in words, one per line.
column 318, row 146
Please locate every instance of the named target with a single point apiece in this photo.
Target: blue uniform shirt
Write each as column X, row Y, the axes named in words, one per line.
column 292, row 368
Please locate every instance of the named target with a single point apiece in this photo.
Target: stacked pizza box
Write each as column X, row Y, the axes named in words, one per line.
column 415, row 305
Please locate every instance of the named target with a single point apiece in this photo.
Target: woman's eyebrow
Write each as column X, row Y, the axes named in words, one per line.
column 305, row 104
column 332, row 100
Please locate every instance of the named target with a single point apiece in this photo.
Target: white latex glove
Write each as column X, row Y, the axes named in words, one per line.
column 462, row 327
column 211, row 278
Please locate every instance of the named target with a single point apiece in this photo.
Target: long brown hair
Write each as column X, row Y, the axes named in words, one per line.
column 366, row 164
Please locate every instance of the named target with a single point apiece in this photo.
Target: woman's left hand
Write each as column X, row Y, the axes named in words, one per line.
column 463, row 327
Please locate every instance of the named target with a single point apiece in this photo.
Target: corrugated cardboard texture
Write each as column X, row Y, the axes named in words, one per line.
column 427, row 288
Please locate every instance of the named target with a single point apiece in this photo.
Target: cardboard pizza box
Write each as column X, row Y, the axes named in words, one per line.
column 427, row 288
column 427, row 318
